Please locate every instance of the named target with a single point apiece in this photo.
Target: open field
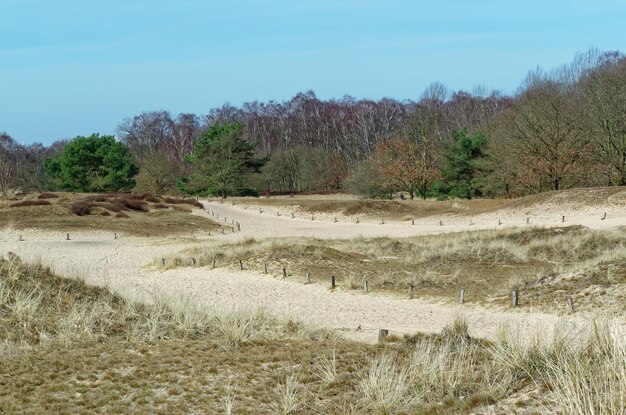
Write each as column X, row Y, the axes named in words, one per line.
column 65, row 212
column 185, row 337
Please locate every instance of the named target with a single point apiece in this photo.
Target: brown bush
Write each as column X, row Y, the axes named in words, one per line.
column 47, row 196
column 181, row 201
column 121, row 215
column 105, row 213
column 160, row 206
column 152, row 198
column 113, row 207
column 31, row 203
column 133, row 204
column 81, row 208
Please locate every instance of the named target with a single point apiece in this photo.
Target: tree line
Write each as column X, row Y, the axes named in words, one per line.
column 562, row 128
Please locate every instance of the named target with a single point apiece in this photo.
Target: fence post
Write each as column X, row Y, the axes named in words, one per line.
column 413, row 222
column 238, row 226
column 333, row 282
column 193, row 261
column 410, row 291
column 462, row 296
column 265, row 268
column 115, row 236
column 21, row 239
column 241, row 265
column 213, row 264
column 562, row 218
column 284, row 272
column 570, row 305
column 440, row 223
column 366, row 287
column 382, row 335
column 515, row 297
column 499, row 222
column 162, row 262
column 604, row 217
column 67, row 237
column 382, row 221
column 527, row 220
column 308, row 278
column 293, row 215
column 336, row 220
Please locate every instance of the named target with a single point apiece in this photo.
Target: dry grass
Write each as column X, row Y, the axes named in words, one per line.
column 342, row 204
column 179, row 356
column 546, row 265
column 135, row 214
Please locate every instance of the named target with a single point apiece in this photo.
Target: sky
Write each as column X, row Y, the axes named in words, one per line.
column 75, row 67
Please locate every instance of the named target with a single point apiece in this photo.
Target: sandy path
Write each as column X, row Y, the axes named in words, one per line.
column 121, row 265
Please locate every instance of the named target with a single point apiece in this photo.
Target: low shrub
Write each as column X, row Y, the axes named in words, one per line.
column 121, row 215
column 181, row 201
column 81, row 208
column 47, row 196
column 31, row 203
column 105, row 213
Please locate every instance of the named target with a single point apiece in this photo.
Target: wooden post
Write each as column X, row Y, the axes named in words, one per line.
column 308, row 278
column 499, row 222
column 312, row 217
column 413, row 222
column 265, row 268
column 293, row 215
column 462, row 296
column 260, row 210
column 570, row 305
column 527, row 220
column 21, row 239
column 562, row 218
column 515, row 297
column 225, row 219
column 193, row 261
column 382, row 221
column 366, row 287
column 209, row 232
column 604, row 217
column 233, row 203
column 410, row 291
column 336, row 220
column 278, row 213
column 162, row 262
column 147, row 234
column 440, row 223
column 382, row 335
column 333, row 282
column 284, row 272
column 358, row 220
column 238, row 226
column 213, row 264
column 67, row 237
column 115, row 236
column 241, row 265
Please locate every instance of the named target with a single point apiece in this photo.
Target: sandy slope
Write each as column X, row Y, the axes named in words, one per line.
column 121, row 264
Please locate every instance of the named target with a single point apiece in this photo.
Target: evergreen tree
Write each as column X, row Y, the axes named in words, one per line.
column 462, row 164
column 93, row 164
column 223, row 162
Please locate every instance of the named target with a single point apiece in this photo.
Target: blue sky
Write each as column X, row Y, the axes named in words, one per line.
column 71, row 67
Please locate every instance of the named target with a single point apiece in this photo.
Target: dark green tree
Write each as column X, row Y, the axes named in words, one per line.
column 463, row 161
column 223, row 162
column 93, row 164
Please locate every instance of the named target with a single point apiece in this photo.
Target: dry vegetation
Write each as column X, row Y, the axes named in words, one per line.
column 340, row 204
column 546, row 265
column 70, row 348
column 135, row 214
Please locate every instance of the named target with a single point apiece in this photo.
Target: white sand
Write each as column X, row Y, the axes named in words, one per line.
column 121, row 265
